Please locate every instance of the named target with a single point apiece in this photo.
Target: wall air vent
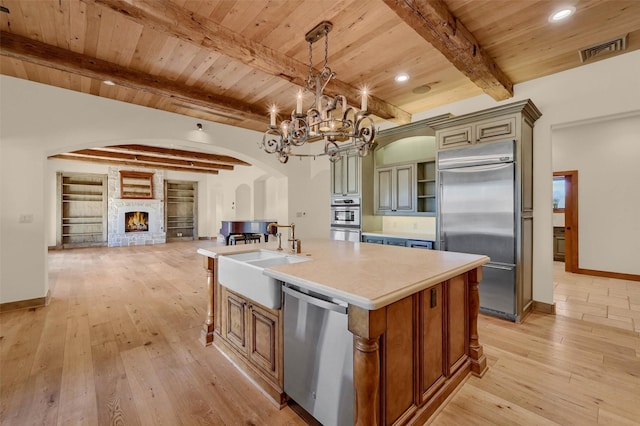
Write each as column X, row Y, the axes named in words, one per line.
column 617, row 44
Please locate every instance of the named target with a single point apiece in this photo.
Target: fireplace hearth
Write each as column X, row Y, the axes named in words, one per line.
column 136, row 221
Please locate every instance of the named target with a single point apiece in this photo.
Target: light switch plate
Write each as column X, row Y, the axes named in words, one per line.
column 26, row 218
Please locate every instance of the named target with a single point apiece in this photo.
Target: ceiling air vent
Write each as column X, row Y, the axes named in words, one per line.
column 617, row 44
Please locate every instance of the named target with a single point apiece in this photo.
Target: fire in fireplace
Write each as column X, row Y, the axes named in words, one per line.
column 136, row 222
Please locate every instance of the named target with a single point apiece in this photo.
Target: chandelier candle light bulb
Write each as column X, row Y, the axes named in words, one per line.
column 273, row 116
column 299, row 103
column 363, row 106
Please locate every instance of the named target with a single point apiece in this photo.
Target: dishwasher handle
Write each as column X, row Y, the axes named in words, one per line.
column 315, row 301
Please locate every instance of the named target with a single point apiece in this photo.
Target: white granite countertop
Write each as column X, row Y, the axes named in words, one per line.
column 407, row 235
column 370, row 276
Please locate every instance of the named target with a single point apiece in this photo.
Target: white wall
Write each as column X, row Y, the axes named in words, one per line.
column 606, row 154
column 40, row 120
column 589, row 92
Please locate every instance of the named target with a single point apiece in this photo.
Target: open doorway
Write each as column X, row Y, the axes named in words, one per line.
column 565, row 209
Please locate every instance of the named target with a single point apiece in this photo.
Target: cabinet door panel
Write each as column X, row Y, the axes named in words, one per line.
column 432, row 338
column 337, row 178
column 455, row 137
column 399, row 374
column 264, row 337
column 235, row 331
column 493, row 130
column 404, row 188
column 385, row 188
column 352, row 172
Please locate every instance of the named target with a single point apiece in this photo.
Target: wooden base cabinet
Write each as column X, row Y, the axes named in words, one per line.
column 408, row 356
column 251, row 335
column 423, row 346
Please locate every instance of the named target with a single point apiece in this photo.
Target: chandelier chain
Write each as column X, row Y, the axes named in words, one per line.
column 326, row 48
column 310, row 64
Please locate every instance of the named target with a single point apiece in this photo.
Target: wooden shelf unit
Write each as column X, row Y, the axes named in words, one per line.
column 136, row 185
column 82, row 210
column 180, row 209
column 426, row 187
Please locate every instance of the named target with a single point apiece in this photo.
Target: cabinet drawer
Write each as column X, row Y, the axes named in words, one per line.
column 420, row 244
column 396, row 242
column 455, row 137
column 503, row 128
column 373, row 240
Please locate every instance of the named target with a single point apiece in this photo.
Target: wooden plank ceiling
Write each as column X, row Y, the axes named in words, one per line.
column 228, row 61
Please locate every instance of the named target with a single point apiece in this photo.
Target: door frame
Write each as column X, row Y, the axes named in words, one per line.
column 571, row 259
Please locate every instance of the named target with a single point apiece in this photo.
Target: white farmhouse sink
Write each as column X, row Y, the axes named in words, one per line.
column 242, row 273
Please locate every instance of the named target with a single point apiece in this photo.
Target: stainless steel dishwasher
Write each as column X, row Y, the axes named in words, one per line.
column 318, row 356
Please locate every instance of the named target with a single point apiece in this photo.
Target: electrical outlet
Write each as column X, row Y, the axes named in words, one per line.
column 179, row 234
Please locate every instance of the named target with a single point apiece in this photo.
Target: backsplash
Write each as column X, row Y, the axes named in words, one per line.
column 409, row 224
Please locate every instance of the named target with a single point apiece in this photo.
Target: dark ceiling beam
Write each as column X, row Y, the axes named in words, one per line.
column 148, row 159
column 169, row 18
column 90, row 159
column 36, row 52
column 433, row 21
column 179, row 153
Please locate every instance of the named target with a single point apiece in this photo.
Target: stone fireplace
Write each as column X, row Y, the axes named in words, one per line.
column 135, row 221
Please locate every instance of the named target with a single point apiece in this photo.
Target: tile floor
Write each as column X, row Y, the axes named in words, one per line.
column 601, row 300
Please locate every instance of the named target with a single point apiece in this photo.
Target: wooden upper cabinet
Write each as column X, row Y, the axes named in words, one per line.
column 345, row 175
column 455, row 137
column 136, row 185
column 512, row 121
column 490, row 130
column 395, row 189
column 496, row 129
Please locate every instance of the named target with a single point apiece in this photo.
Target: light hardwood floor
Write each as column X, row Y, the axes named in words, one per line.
column 118, row 345
column 601, row 300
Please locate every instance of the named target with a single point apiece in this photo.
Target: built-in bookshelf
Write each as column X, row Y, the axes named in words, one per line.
column 180, row 209
column 82, row 210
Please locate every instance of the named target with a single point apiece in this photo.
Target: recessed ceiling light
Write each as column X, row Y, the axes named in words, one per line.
column 400, row 78
column 562, row 14
column 109, row 83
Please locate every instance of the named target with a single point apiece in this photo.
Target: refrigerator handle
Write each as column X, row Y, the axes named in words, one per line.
column 479, row 168
column 443, row 241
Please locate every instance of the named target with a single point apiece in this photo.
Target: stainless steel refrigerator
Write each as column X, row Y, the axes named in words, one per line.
column 480, row 213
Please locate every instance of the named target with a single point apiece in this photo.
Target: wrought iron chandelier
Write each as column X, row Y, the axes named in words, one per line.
column 343, row 128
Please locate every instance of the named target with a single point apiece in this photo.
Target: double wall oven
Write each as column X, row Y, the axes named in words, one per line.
column 345, row 218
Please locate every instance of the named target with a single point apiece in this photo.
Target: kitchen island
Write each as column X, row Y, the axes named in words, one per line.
column 413, row 315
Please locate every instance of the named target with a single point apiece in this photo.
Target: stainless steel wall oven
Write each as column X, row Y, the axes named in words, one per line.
column 345, row 218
